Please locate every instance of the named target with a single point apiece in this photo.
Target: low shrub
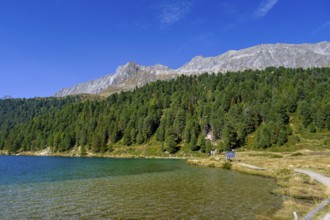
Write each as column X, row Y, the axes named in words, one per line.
column 226, row 165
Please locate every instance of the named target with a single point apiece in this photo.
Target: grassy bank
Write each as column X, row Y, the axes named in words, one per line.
column 300, row 193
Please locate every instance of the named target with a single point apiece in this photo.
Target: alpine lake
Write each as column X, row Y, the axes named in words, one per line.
column 100, row 188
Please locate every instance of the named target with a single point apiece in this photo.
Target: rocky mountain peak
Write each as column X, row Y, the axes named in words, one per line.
column 260, row 56
column 6, row 97
column 130, row 67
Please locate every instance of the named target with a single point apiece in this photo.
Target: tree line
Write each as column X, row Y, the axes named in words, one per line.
column 226, row 108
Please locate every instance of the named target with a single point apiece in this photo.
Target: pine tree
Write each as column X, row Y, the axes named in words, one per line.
column 201, row 143
column 193, row 143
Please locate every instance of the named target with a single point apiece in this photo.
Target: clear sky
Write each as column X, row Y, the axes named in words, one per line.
column 46, row 45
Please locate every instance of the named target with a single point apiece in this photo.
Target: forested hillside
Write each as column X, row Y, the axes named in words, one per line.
column 225, row 108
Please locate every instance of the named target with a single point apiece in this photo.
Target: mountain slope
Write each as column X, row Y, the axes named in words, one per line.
column 260, row 109
column 262, row 56
column 131, row 75
column 126, row 77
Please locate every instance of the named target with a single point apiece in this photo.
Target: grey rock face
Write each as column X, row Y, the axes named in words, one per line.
column 129, row 75
column 262, row 56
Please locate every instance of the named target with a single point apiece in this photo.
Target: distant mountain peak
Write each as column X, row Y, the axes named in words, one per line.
column 126, row 77
column 261, row 56
column 6, row 97
column 130, row 67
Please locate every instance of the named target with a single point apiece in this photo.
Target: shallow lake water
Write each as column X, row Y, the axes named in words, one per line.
column 95, row 188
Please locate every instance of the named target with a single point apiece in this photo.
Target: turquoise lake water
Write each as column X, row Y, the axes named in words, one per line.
column 97, row 188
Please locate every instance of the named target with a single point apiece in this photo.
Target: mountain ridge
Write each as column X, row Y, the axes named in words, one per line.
column 131, row 75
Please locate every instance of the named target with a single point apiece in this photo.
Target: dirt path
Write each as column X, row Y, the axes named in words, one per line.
column 322, row 179
column 318, row 177
column 251, row 166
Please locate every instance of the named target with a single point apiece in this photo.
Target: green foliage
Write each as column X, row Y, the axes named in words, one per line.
column 312, row 128
column 305, row 112
column 170, row 144
column 284, row 172
column 296, row 139
column 226, row 165
column 82, row 151
column 201, row 143
column 110, row 148
column 178, row 112
column 193, row 143
column 269, row 155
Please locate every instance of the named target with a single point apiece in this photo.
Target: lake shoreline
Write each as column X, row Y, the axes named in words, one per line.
column 300, row 193
column 90, row 155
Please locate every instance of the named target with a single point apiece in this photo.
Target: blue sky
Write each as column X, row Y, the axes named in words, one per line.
column 46, row 45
